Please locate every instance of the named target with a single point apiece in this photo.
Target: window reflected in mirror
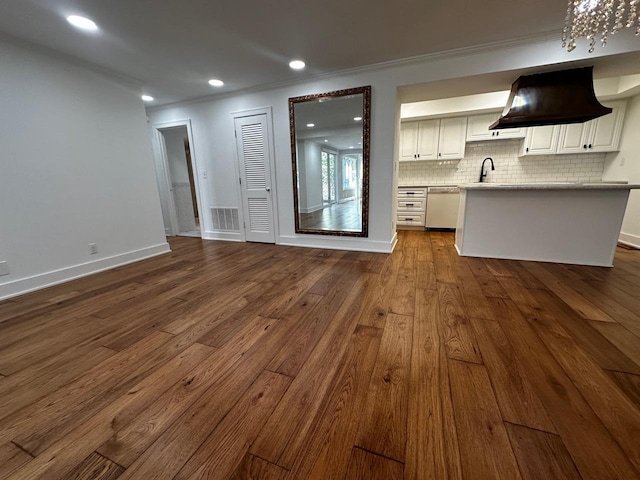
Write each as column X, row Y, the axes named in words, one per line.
column 330, row 150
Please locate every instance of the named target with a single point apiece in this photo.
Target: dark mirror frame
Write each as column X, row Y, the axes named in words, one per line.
column 366, row 128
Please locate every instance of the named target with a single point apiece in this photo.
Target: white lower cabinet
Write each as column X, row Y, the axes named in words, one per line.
column 411, row 207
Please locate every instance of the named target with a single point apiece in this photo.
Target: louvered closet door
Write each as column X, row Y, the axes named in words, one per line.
column 255, row 174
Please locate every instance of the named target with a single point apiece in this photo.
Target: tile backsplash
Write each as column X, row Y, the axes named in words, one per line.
column 585, row 167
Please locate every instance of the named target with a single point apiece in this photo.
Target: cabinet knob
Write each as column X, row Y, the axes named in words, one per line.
column 590, row 146
column 527, row 149
column 418, row 155
column 439, row 154
column 584, row 146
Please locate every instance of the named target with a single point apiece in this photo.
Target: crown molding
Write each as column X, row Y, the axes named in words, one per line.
column 402, row 62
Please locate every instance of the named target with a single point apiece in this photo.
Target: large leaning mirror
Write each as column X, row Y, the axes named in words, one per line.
column 330, row 150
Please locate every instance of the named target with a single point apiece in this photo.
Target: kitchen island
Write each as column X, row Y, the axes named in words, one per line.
column 550, row 222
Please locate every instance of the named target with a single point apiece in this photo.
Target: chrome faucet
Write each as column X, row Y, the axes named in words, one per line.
column 482, row 172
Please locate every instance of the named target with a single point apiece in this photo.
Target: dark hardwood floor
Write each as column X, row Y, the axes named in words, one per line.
column 239, row 360
column 339, row 216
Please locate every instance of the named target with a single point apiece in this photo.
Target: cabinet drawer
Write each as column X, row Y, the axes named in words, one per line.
column 412, row 205
column 411, row 219
column 405, row 193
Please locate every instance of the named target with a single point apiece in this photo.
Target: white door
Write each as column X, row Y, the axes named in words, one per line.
column 255, row 178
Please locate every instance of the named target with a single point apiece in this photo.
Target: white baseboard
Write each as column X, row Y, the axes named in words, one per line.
column 339, row 243
column 226, row 236
column 629, row 239
column 394, row 241
column 54, row 277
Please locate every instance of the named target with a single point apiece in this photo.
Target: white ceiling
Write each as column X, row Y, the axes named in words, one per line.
column 173, row 47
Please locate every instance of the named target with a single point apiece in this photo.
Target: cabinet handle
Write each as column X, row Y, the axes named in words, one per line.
column 408, row 204
column 527, row 149
column 590, row 146
column 418, row 155
column 493, row 134
column 584, row 146
column 410, row 193
column 497, row 133
column 408, row 219
column 439, row 154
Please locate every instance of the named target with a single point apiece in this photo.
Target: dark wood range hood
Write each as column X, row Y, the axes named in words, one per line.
column 553, row 98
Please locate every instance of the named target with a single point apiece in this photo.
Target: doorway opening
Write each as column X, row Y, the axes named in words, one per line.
column 182, row 215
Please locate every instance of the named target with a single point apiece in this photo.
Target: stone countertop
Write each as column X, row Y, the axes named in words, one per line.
column 550, row 186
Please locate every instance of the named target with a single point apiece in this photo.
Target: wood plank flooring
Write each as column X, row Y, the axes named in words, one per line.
column 250, row 361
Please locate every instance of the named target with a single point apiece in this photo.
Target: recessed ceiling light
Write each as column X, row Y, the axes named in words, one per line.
column 214, row 82
column 297, row 64
column 311, row 125
column 357, row 119
column 351, row 146
column 82, row 22
column 147, row 98
column 326, row 141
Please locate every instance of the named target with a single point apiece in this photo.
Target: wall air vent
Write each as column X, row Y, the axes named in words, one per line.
column 225, row 219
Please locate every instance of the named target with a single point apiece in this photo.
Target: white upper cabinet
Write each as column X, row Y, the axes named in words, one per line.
column 453, row 132
column 541, row 140
column 427, row 148
column 478, row 129
column 408, row 141
column 599, row 135
column 433, row 139
column 574, row 137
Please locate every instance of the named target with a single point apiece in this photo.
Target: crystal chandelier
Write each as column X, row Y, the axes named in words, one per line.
column 589, row 18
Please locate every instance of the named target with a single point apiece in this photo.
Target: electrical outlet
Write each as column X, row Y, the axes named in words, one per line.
column 4, row 268
column 93, row 248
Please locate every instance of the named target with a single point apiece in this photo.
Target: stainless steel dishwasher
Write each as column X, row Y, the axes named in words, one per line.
column 442, row 207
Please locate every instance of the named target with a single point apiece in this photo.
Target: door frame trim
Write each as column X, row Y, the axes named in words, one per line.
column 268, row 112
column 166, row 173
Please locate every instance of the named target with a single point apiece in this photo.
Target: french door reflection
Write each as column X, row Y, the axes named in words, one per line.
column 328, row 177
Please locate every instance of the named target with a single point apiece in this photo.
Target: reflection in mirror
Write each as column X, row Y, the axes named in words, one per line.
column 330, row 149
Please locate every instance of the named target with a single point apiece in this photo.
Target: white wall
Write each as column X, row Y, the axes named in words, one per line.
column 75, row 168
column 312, row 189
column 310, row 176
column 214, row 142
column 625, row 165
